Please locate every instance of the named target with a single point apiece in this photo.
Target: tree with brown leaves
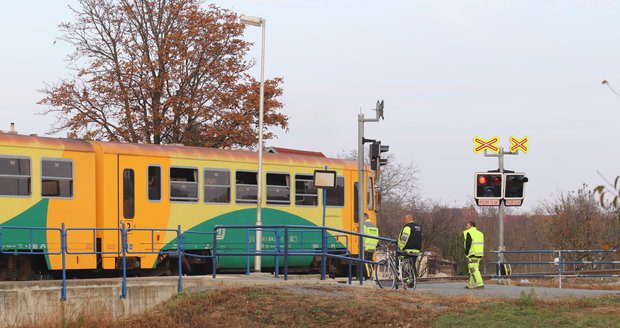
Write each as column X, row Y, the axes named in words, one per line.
column 160, row 71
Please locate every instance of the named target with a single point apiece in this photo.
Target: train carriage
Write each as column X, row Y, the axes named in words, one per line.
column 151, row 190
column 44, row 183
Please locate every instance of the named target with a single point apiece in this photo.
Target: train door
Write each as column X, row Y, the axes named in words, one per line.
column 142, row 208
column 368, row 207
column 129, row 209
column 140, row 192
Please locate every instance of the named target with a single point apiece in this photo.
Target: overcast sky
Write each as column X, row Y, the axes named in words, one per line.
column 448, row 71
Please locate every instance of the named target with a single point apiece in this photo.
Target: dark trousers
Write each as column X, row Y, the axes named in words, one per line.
column 413, row 259
column 368, row 256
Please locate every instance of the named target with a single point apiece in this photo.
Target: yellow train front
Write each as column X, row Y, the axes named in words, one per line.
column 96, row 189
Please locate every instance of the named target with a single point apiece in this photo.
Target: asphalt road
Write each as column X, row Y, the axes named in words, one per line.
column 492, row 290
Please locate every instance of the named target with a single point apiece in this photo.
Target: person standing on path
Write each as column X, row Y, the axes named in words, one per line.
column 370, row 244
column 474, row 250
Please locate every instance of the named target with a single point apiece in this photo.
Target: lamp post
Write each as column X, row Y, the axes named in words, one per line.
column 259, row 22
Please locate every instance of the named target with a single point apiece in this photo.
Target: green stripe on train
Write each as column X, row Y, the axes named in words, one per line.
column 237, row 240
column 25, row 239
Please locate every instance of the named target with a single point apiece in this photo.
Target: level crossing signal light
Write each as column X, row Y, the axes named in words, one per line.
column 493, row 187
column 489, row 189
column 513, row 188
column 376, row 148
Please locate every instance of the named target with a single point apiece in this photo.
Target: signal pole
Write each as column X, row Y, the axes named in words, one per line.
column 502, row 205
column 360, row 176
column 360, row 160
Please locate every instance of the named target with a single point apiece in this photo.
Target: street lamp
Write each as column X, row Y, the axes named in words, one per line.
column 260, row 22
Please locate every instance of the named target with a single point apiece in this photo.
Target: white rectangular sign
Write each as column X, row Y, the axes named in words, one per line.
column 324, row 179
column 513, row 202
column 488, row 202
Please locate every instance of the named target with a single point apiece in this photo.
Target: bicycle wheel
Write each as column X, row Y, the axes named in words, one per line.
column 385, row 275
column 409, row 278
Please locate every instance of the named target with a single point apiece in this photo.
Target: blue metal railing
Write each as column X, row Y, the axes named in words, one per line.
column 30, row 249
column 323, row 249
column 151, row 250
column 338, row 249
column 556, row 261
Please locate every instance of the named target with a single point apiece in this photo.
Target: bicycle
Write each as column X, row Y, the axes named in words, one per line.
column 390, row 275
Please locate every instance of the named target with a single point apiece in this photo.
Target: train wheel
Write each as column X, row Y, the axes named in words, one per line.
column 25, row 268
column 17, row 268
column 4, row 274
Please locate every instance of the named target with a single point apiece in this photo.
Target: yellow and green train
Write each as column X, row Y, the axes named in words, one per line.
column 96, row 188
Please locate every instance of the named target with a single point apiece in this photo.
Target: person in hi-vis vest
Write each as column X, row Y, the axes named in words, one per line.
column 370, row 244
column 410, row 240
column 474, row 250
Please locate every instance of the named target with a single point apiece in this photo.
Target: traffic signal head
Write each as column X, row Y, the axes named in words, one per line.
column 513, row 188
column 376, row 148
column 488, row 188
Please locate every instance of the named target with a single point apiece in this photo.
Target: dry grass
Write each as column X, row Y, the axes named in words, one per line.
column 321, row 306
column 288, row 306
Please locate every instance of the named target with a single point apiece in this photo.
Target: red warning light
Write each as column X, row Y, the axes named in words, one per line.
column 497, row 180
column 482, row 179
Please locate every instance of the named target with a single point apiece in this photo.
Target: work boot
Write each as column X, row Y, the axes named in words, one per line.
column 480, row 287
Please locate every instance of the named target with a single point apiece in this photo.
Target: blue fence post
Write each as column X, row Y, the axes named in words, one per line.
column 277, row 257
column 124, row 254
column 180, row 254
column 63, row 250
column 324, row 253
column 286, row 245
column 560, row 267
column 350, row 272
column 360, row 263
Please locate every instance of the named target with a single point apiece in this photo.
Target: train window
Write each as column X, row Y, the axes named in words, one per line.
column 183, row 184
column 278, row 189
column 56, row 178
column 305, row 192
column 246, row 187
column 369, row 194
column 217, row 186
column 128, row 194
column 154, row 182
column 15, row 176
column 335, row 196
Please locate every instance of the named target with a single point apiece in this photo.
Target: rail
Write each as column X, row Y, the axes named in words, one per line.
column 559, row 259
column 25, row 244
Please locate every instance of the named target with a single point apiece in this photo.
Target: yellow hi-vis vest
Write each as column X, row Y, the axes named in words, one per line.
column 370, row 244
column 477, row 242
